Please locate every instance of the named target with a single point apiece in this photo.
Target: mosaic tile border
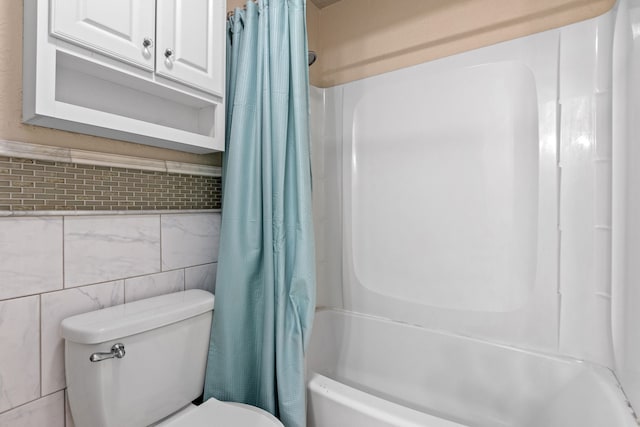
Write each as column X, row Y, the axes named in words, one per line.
column 48, row 183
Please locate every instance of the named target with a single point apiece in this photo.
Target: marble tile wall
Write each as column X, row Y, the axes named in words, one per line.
column 56, row 266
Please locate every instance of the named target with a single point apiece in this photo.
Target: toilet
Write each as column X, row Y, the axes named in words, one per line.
column 143, row 363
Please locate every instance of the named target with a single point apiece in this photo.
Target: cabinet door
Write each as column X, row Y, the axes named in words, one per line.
column 190, row 46
column 116, row 28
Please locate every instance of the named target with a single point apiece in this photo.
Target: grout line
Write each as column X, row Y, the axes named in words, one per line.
column 124, row 291
column 64, row 407
column 559, row 193
column 200, row 265
column 32, row 401
column 64, row 223
column 160, row 234
column 40, row 342
column 106, row 282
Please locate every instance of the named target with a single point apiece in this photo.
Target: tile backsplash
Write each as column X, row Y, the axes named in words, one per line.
column 31, row 184
column 54, row 266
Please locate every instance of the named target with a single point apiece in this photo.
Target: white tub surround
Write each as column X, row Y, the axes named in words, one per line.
column 448, row 216
column 626, row 198
column 489, row 195
column 370, row 371
column 472, row 193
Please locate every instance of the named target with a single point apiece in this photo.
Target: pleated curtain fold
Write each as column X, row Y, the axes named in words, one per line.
column 265, row 286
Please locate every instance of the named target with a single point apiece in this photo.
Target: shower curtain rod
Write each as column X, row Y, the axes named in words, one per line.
column 311, row 55
column 231, row 12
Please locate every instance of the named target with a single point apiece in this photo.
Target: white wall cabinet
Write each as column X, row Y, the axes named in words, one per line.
column 115, row 27
column 188, row 41
column 146, row 71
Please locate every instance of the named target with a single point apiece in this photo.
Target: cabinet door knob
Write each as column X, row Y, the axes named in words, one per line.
column 168, row 53
column 147, row 42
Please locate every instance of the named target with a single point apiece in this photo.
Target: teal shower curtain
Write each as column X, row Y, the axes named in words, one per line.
column 265, row 288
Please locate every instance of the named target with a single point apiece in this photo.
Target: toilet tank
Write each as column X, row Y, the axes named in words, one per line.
column 166, row 340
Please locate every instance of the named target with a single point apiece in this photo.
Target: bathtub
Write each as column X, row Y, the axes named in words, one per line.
column 368, row 371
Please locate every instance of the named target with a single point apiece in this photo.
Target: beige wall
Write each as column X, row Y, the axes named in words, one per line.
column 360, row 38
column 313, row 36
column 353, row 39
column 232, row 4
column 11, row 127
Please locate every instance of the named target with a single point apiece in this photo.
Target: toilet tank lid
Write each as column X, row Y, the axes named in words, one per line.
column 135, row 317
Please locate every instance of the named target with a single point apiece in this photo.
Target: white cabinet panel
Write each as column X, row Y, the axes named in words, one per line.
column 77, row 47
column 190, row 43
column 116, row 27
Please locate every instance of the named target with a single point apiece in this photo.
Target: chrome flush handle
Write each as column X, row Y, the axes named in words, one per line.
column 117, row 351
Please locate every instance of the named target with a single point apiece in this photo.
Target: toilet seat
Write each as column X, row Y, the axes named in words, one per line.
column 215, row 413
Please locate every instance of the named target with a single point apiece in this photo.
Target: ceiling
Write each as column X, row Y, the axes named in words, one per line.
column 324, row 3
